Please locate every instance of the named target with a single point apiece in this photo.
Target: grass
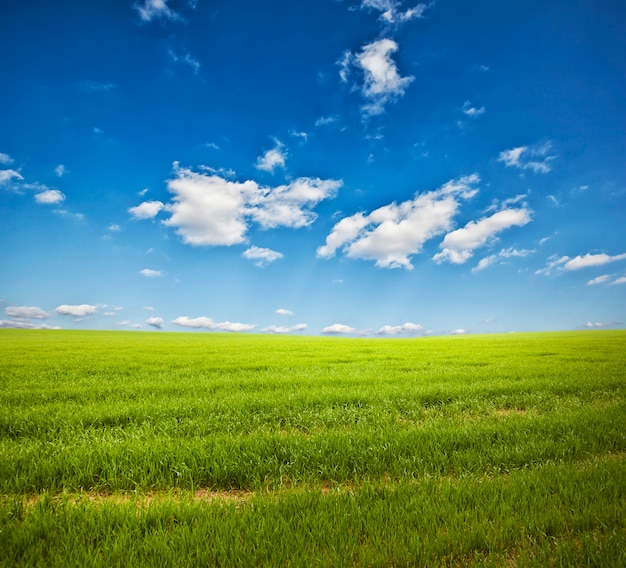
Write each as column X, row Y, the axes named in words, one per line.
column 245, row 450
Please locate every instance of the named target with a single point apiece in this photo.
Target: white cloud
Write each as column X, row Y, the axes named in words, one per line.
column 326, row 120
column 187, row 59
column 77, row 311
column 24, row 324
column 7, row 175
column 283, row 312
column 620, row 280
column 50, row 196
column 155, row 322
column 339, row 329
column 591, row 260
column 5, row 159
column 155, row 9
column 149, row 273
column 533, row 158
column 459, row 331
column 391, row 13
column 382, row 82
column 146, row 210
column 407, row 327
column 393, row 233
column 497, row 258
column 599, row 280
column 60, row 170
column 273, row 158
column 114, row 228
column 458, row 246
column 211, row 210
column 263, row 256
column 597, row 324
column 25, row 312
column 470, row 110
column 208, row 323
column 281, row 329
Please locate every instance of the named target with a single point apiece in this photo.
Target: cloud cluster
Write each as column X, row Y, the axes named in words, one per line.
column 339, row 329
column 534, row 158
column 393, row 233
column 273, row 158
column 208, row 323
column 21, row 318
column 208, row 209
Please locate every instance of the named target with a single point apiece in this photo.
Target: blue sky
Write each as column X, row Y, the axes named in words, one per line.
column 360, row 167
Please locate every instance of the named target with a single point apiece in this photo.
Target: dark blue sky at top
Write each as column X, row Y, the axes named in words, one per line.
column 108, row 105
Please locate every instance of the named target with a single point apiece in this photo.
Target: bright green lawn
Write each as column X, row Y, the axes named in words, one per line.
column 216, row 449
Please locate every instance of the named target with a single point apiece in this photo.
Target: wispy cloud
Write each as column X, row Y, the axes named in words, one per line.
column 458, row 246
column 262, row 256
column 186, row 59
column 208, row 323
column 470, row 110
column 7, row 175
column 578, row 262
column 382, row 83
column 534, row 158
column 60, row 170
column 391, row 11
column 5, row 159
column 156, row 9
column 393, row 233
column 500, row 257
column 278, row 329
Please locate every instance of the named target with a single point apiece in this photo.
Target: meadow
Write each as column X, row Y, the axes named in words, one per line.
column 207, row 449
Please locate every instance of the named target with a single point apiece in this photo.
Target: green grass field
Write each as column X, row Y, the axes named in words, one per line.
column 173, row 449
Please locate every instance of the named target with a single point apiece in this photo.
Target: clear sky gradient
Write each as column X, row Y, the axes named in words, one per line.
column 363, row 167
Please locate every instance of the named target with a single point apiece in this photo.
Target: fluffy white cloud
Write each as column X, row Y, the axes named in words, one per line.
column 620, row 280
column 407, row 327
column 77, row 311
column 459, row 331
column 458, row 246
column 281, row 329
column 283, row 312
column 339, row 329
column 208, row 323
column 391, row 234
column 533, row 158
column 149, row 273
column 25, row 312
column 273, row 158
column 499, row 257
column 50, row 196
column 24, row 324
column 60, row 170
column 211, row 210
column 146, row 210
column 382, row 82
column 155, row 9
column 597, row 324
column 5, row 159
column 155, row 322
column 263, row 256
